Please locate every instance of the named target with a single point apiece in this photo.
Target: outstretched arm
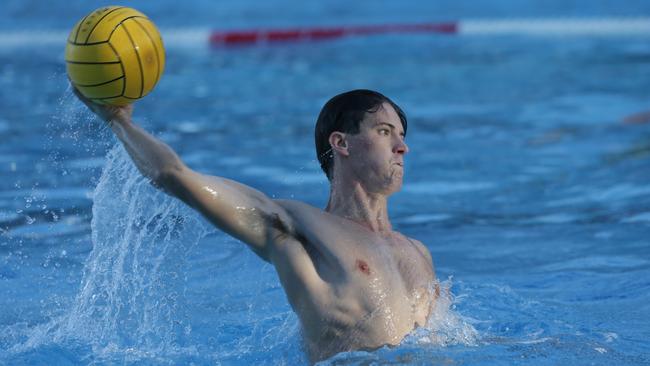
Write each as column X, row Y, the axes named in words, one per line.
column 239, row 210
column 152, row 157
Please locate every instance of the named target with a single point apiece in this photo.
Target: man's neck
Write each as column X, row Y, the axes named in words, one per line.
column 353, row 202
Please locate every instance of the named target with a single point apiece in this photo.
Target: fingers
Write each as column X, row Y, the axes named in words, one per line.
column 82, row 98
column 78, row 93
column 94, row 107
column 108, row 113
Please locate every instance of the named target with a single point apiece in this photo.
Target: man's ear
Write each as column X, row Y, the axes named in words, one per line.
column 339, row 143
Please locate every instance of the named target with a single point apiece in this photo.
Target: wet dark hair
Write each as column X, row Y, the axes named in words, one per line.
column 344, row 113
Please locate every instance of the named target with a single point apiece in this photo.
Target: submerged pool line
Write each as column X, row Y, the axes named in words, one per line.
column 623, row 26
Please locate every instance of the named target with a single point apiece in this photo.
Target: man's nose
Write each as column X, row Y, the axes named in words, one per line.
column 401, row 147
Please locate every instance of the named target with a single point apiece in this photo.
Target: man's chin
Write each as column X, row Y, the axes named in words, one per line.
column 398, row 188
column 394, row 187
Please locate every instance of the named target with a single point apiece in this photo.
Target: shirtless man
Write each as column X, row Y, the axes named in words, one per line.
column 354, row 282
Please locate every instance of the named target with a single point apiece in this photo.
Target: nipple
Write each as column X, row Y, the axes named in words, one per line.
column 363, row 267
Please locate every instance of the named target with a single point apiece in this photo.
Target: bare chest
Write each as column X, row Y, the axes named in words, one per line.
column 398, row 270
column 383, row 294
column 370, row 289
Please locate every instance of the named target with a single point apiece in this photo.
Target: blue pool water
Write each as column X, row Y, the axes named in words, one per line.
column 528, row 188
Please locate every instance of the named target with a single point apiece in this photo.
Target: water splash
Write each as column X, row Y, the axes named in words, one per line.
column 445, row 327
column 131, row 299
column 131, row 305
column 70, row 130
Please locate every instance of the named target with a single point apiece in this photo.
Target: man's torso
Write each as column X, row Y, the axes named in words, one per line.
column 352, row 288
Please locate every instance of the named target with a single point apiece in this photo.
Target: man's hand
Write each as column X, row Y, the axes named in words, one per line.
column 109, row 113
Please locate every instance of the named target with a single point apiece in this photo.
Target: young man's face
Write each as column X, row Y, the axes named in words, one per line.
column 377, row 151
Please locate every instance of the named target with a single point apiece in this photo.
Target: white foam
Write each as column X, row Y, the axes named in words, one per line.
column 610, row 336
column 445, row 327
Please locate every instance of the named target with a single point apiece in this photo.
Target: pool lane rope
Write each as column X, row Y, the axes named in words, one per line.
column 624, row 26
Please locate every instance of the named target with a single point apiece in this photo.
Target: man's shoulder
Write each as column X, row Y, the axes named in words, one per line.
column 292, row 203
column 303, row 217
column 418, row 244
column 295, row 207
column 407, row 238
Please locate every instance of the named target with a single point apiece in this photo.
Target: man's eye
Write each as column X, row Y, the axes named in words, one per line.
column 384, row 132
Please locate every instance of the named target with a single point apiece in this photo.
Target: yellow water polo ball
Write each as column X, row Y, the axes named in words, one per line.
column 114, row 55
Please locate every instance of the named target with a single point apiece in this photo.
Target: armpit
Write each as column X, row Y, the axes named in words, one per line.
column 275, row 222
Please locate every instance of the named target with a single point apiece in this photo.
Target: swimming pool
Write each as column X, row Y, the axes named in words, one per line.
column 522, row 180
